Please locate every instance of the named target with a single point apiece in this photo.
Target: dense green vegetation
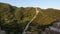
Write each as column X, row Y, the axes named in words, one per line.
column 13, row 19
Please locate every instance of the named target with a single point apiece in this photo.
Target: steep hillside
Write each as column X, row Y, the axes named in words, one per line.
column 47, row 16
column 14, row 19
column 10, row 13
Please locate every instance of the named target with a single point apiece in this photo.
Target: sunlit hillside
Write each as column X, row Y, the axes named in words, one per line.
column 14, row 18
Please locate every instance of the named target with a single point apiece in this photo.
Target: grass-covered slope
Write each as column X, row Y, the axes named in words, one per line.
column 10, row 13
column 14, row 19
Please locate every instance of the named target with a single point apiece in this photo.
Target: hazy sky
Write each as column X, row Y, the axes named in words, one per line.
column 32, row 3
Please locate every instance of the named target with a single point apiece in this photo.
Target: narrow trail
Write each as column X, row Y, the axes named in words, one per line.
column 24, row 32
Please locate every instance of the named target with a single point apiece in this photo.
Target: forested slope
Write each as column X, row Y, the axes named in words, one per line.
column 14, row 18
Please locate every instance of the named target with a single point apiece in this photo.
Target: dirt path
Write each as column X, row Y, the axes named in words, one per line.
column 30, row 21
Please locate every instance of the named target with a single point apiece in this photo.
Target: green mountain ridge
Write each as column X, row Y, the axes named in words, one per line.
column 10, row 13
column 14, row 19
